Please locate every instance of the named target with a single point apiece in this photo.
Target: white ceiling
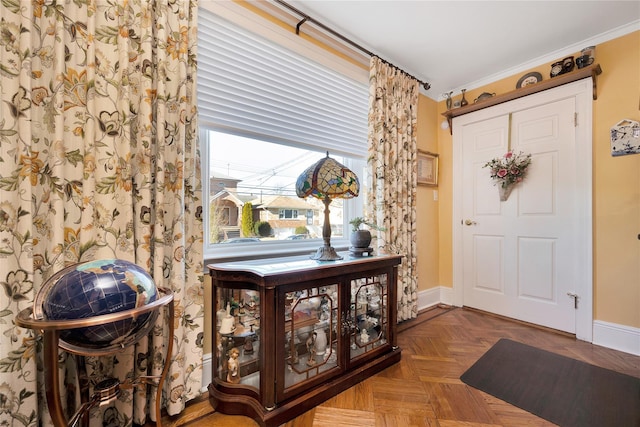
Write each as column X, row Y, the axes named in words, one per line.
column 465, row 44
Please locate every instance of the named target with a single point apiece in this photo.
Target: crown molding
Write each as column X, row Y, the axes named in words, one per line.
column 549, row 57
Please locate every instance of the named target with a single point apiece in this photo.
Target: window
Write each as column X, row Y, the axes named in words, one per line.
column 288, row 214
column 266, row 114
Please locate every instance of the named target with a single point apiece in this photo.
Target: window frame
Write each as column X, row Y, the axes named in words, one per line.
column 351, row 207
column 236, row 251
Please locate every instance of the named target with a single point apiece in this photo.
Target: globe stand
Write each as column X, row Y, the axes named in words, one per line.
column 108, row 389
column 105, row 392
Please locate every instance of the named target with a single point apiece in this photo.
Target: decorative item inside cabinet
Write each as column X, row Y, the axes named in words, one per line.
column 238, row 332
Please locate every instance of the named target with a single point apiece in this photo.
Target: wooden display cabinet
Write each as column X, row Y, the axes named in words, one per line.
column 293, row 332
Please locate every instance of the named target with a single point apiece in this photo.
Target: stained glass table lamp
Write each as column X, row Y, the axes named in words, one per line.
column 326, row 180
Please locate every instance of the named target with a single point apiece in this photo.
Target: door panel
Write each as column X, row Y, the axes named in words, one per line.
column 488, row 252
column 518, row 254
column 536, row 281
column 539, row 194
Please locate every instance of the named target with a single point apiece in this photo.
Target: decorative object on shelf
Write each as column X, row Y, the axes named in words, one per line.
column 364, row 336
column 320, row 344
column 314, row 303
column 427, row 168
column 507, row 171
column 294, row 354
column 483, row 96
column 374, row 303
column 360, row 238
column 449, row 101
column 220, row 314
column 233, row 366
column 326, row 180
column 583, row 61
column 228, row 324
column 96, row 308
column 529, row 79
column 567, row 64
column 463, row 101
column 311, row 343
column 247, row 348
column 625, row 138
column 587, row 57
column 557, row 68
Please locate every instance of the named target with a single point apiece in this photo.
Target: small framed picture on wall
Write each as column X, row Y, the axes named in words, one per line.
column 427, row 168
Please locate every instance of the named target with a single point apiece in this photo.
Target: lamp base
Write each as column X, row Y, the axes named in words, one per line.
column 326, row 253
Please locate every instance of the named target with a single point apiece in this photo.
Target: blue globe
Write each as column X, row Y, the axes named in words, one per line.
column 95, row 288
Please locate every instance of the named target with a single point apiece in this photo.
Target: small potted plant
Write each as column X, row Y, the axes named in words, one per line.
column 361, row 237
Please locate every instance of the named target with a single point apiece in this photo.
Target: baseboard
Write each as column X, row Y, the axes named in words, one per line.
column 617, row 337
column 207, row 370
column 434, row 296
column 605, row 334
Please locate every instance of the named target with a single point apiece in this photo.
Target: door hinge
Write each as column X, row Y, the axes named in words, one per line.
column 575, row 299
column 575, row 120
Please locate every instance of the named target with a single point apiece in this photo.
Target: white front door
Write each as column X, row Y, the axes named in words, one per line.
column 520, row 258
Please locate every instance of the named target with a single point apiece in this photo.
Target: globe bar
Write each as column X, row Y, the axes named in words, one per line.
column 95, row 288
column 91, row 309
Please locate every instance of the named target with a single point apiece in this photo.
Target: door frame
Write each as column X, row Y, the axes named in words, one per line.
column 581, row 91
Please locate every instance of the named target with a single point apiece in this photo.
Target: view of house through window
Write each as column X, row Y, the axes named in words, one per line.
column 252, row 195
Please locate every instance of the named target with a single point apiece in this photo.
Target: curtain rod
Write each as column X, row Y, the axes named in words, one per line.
column 307, row 18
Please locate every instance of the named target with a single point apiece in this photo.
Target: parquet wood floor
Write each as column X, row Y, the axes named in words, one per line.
column 424, row 388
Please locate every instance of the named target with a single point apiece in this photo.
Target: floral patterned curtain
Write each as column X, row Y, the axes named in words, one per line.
column 99, row 159
column 391, row 197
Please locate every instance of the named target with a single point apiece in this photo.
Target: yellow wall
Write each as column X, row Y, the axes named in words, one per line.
column 616, row 184
column 428, row 212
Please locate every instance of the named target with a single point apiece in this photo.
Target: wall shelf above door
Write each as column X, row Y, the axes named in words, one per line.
column 582, row 73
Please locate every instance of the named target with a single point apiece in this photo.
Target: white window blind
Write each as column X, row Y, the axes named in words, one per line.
column 250, row 86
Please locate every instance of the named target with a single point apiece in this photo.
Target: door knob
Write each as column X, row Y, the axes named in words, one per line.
column 469, row 222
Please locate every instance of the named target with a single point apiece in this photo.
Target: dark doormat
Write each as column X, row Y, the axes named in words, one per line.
column 559, row 389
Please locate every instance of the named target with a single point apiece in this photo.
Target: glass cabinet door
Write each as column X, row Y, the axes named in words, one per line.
column 237, row 336
column 311, row 333
column 368, row 314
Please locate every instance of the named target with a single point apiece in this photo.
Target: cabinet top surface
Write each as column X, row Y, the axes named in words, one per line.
column 275, row 266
